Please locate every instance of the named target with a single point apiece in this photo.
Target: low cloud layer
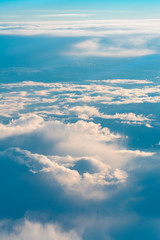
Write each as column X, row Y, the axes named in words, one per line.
column 82, row 157
column 35, row 231
column 70, row 100
column 87, row 177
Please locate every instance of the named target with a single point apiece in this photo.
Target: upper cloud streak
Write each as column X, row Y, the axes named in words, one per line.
column 92, row 28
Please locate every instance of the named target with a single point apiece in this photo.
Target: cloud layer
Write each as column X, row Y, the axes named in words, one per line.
column 94, row 144
column 105, row 38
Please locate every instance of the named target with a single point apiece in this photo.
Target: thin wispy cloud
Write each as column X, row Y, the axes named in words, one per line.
column 66, row 15
column 95, row 49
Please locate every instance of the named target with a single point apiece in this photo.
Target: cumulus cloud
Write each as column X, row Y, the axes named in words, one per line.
column 22, row 125
column 86, row 176
column 58, row 99
column 35, row 231
column 78, row 139
column 29, row 123
column 87, row 112
column 103, row 92
column 54, row 137
column 81, row 156
column 130, row 118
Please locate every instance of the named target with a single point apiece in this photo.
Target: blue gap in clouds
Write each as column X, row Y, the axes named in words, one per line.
column 40, row 58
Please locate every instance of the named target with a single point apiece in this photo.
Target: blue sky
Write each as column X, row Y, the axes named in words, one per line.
column 117, row 9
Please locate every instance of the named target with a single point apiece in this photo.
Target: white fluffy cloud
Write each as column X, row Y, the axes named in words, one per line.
column 22, row 125
column 27, row 230
column 87, row 112
column 82, row 157
column 78, row 139
column 88, row 177
column 29, row 123
column 57, row 100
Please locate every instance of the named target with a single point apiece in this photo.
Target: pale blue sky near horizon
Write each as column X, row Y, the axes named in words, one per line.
column 101, row 9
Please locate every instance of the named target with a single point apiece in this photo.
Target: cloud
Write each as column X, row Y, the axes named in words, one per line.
column 124, row 212
column 58, row 99
column 82, row 157
column 92, row 28
column 126, row 81
column 137, row 153
column 106, row 38
column 130, row 118
column 56, row 158
column 95, row 48
column 54, row 137
column 20, row 126
column 29, row 123
column 88, row 45
column 87, row 112
column 79, row 139
column 35, row 231
column 66, row 15
column 87, row 177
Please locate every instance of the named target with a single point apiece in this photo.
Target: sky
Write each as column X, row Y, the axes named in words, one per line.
column 79, row 120
column 108, row 9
